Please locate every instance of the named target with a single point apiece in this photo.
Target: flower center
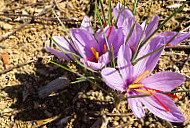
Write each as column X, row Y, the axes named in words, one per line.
column 96, row 54
column 146, row 90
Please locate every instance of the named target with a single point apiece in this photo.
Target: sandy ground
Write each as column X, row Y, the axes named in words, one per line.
column 78, row 105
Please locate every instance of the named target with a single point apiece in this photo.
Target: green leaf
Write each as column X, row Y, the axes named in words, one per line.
column 155, row 50
column 64, row 51
column 118, row 15
column 134, row 6
column 64, row 28
column 124, row 11
column 79, row 63
column 130, row 33
column 103, row 12
column 110, row 13
column 164, row 22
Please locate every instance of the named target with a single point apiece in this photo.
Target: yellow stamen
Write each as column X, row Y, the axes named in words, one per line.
column 144, row 91
column 136, row 85
column 105, row 48
column 93, row 51
column 97, row 55
column 138, row 79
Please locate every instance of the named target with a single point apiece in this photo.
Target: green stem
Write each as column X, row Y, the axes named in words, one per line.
column 78, row 74
column 79, row 63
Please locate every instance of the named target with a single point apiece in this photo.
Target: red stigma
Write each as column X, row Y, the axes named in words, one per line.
column 91, row 58
column 110, row 29
column 163, row 105
column 104, row 25
column 168, row 94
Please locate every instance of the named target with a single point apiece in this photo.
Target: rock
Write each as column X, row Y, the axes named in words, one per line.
column 7, row 26
column 53, row 86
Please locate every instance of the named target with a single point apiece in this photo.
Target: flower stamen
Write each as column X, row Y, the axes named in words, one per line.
column 144, row 91
column 138, row 79
column 97, row 56
column 105, row 48
column 93, row 51
column 135, row 86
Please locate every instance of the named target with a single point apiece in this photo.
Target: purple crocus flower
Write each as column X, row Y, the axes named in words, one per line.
column 126, row 21
column 94, row 52
column 134, row 80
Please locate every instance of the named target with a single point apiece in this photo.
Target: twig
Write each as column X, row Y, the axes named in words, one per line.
column 173, row 53
column 20, row 65
column 46, row 121
column 181, row 47
column 111, row 114
column 6, row 35
column 42, row 18
column 16, row 8
column 119, row 114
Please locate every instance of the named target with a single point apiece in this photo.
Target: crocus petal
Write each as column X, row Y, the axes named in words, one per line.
column 115, row 39
column 123, row 15
column 135, row 37
column 63, row 43
column 124, row 62
column 103, row 60
column 92, row 65
column 136, row 33
column 109, row 32
column 127, row 25
column 84, row 41
column 113, row 79
column 86, row 24
column 152, row 26
column 58, row 53
column 174, row 115
column 136, row 106
column 149, row 62
column 143, row 24
column 164, row 81
column 169, row 35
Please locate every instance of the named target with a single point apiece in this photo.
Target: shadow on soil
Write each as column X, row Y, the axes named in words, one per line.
column 29, row 107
